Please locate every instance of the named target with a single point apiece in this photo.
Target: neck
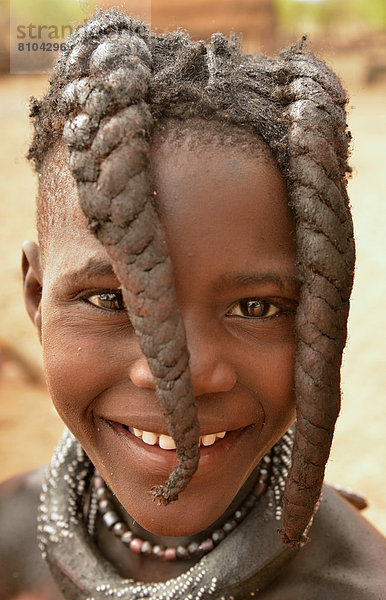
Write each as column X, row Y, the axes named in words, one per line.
column 77, row 564
column 147, row 569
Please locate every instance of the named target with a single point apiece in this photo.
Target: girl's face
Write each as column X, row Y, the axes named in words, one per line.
column 230, row 237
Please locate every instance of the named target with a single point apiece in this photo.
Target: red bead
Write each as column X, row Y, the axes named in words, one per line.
column 136, row 545
column 170, row 554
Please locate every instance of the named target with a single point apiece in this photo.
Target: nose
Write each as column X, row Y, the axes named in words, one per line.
column 210, row 371
column 140, row 374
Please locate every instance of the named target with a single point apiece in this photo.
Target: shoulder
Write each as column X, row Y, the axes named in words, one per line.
column 345, row 557
column 22, row 568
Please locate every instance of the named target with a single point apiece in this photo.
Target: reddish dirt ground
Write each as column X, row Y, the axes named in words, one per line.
column 28, row 424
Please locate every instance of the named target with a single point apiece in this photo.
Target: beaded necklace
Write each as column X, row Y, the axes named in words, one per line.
column 102, row 502
column 243, row 564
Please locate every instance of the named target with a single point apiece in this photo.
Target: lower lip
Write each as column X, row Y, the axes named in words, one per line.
column 162, row 462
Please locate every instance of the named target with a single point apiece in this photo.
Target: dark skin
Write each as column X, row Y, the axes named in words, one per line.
column 241, row 363
column 230, row 237
column 344, row 559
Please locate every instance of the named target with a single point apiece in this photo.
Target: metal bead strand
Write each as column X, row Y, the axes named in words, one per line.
column 102, row 498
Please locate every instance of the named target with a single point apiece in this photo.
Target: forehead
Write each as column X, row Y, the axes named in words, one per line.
column 226, row 203
column 198, row 181
column 193, row 164
column 65, row 241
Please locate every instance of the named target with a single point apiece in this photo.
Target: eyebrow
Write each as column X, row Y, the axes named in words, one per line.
column 239, row 279
column 93, row 267
column 97, row 267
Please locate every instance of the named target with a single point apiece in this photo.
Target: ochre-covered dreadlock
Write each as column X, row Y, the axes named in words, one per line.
column 113, row 83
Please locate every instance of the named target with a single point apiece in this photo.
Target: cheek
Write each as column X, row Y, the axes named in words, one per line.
column 273, row 384
column 280, row 409
column 79, row 366
column 72, row 381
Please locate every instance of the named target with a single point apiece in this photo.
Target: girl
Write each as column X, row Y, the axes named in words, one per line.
column 191, row 293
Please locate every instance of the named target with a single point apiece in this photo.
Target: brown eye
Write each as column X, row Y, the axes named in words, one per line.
column 107, row 301
column 254, row 308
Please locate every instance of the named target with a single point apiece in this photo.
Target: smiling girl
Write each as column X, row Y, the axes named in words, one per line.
column 191, row 294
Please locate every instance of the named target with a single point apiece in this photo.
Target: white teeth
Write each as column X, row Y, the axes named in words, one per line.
column 208, row 440
column 166, row 442
column 150, row 438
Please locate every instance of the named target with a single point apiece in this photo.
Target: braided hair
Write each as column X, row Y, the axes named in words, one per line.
column 114, row 82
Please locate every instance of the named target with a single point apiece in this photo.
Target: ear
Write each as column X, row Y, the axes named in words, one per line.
column 32, row 283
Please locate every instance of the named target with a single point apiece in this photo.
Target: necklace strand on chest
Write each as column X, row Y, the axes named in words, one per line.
column 102, row 503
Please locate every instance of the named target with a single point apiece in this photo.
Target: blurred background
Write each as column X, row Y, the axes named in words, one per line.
column 350, row 35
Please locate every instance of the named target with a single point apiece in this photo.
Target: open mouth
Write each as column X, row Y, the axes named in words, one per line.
column 154, row 452
column 166, row 442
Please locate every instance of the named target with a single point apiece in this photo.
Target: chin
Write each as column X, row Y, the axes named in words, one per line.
column 184, row 517
column 134, row 468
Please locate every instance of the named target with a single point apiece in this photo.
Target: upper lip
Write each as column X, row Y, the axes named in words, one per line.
column 216, row 413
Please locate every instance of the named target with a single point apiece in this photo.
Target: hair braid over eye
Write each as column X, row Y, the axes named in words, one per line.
column 116, row 81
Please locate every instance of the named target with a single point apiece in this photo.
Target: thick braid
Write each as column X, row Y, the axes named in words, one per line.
column 108, row 139
column 325, row 259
